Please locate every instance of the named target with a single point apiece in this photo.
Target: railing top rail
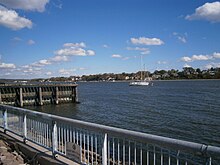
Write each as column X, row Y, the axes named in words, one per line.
column 123, row 133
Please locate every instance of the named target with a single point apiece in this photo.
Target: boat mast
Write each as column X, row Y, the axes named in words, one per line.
column 141, row 68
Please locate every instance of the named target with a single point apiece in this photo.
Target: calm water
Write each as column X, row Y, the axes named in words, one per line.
column 188, row 110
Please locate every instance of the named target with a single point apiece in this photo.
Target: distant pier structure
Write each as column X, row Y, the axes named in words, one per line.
column 38, row 93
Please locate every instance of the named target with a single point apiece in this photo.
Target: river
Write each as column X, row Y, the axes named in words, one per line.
column 187, row 110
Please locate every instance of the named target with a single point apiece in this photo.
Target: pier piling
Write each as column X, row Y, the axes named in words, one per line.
column 38, row 94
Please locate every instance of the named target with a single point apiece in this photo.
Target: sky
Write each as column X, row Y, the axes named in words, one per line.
column 51, row 38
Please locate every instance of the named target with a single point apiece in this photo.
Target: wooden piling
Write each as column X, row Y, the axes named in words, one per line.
column 57, row 95
column 0, row 97
column 20, row 97
column 74, row 95
column 40, row 96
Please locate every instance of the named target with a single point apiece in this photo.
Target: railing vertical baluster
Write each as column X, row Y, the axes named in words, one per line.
column 65, row 138
column 141, row 155
column 84, row 146
column 32, row 136
column 109, row 151
column 124, row 152
column 5, row 119
column 71, row 134
column 59, row 139
column 135, row 153
column 62, row 140
column 129, row 153
column 118, row 152
column 169, row 159
column 177, row 159
column 147, row 155
column 67, row 133
column 80, row 142
column 54, row 138
column 41, row 133
column 36, row 132
column 113, row 150
column 154, row 156
column 161, row 157
column 74, row 134
column 77, row 138
column 88, row 146
column 24, row 127
column 92, row 148
column 104, row 150
column 46, row 125
column 96, row 150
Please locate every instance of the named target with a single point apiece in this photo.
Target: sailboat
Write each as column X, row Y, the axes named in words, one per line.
column 141, row 82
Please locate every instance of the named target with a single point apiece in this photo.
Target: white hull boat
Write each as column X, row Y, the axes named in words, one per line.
column 139, row 83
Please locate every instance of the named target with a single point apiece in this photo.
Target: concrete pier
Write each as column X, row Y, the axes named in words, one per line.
column 38, row 93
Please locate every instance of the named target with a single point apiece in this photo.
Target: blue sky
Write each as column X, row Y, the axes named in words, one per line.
column 45, row 38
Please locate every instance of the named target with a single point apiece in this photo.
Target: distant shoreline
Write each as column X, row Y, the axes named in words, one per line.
column 152, row 80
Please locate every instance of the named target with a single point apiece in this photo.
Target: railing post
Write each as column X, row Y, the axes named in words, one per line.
column 104, row 150
column 24, row 127
column 54, row 138
column 5, row 120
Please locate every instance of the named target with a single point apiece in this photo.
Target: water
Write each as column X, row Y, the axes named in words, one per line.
column 187, row 110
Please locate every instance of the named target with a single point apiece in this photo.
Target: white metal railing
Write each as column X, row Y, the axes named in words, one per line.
column 101, row 144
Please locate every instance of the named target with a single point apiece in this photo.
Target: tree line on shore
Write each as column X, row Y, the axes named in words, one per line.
column 186, row 73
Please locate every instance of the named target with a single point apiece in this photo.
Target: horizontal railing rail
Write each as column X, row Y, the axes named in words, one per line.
column 99, row 144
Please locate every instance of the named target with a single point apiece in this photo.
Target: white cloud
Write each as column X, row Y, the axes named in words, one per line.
column 33, row 5
column 77, row 45
column 216, row 55
column 11, row 19
column 143, row 50
column 180, row 37
column 59, row 58
column 7, row 66
column 126, row 58
column 161, row 62
column 186, row 59
column 17, row 39
column 48, row 73
column 208, row 11
column 196, row 58
column 186, row 66
column 146, row 41
column 105, row 46
column 66, row 71
column 41, row 63
column 201, row 57
column 31, row 42
column 74, row 49
column 90, row 52
column 116, row 56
